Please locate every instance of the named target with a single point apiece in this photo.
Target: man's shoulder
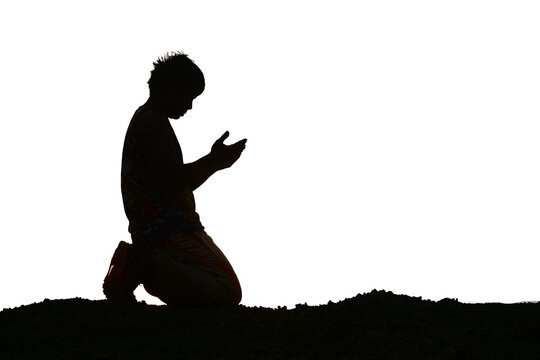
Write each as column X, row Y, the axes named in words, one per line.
column 152, row 120
column 149, row 117
column 152, row 126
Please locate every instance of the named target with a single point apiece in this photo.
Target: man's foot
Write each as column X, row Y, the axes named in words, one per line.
column 120, row 283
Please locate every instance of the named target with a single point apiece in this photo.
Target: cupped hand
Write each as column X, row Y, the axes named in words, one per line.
column 226, row 155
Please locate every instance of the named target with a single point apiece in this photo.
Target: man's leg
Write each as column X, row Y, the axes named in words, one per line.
column 128, row 268
column 186, row 279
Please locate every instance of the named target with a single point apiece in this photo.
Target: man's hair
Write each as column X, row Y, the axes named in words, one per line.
column 175, row 71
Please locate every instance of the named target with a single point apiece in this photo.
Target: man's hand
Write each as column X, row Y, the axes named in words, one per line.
column 223, row 156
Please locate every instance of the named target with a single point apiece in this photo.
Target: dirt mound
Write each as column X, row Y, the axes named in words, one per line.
column 377, row 325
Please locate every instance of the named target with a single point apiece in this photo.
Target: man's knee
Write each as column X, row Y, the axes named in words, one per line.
column 237, row 295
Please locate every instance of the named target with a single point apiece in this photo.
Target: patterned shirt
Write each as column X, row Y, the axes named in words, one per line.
column 153, row 215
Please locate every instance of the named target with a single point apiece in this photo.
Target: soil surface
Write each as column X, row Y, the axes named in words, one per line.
column 377, row 325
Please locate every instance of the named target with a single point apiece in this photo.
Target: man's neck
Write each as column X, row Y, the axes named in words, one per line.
column 157, row 103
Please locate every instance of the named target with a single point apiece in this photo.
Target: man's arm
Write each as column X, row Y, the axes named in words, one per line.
column 158, row 140
column 221, row 156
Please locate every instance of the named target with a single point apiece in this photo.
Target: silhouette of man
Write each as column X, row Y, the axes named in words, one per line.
column 171, row 254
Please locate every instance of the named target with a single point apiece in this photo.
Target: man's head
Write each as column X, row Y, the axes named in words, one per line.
column 177, row 81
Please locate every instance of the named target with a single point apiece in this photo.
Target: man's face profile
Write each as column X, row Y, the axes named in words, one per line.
column 180, row 102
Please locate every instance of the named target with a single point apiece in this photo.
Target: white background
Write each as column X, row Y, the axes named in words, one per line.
column 391, row 144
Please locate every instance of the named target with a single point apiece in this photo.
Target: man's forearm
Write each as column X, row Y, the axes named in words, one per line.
column 196, row 173
column 221, row 156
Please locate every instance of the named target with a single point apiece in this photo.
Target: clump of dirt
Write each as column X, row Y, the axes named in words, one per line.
column 376, row 325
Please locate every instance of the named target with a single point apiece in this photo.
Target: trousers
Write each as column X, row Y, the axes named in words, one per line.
column 189, row 269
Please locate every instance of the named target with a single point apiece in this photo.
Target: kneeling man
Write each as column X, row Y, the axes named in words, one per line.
column 171, row 254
